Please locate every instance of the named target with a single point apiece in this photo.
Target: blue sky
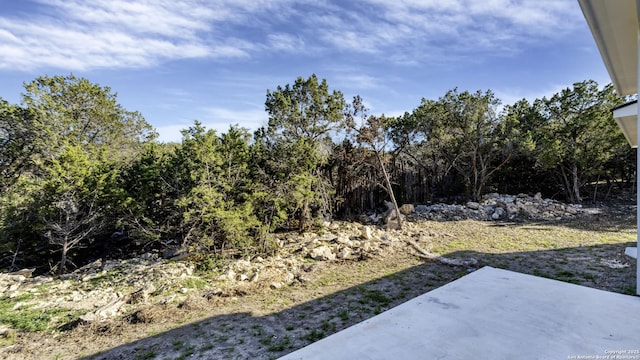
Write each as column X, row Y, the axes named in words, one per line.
column 213, row 60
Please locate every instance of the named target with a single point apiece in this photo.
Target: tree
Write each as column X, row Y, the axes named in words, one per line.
column 372, row 134
column 579, row 135
column 525, row 171
column 79, row 111
column 75, row 199
column 472, row 136
column 214, row 214
column 297, row 142
column 21, row 141
column 63, row 149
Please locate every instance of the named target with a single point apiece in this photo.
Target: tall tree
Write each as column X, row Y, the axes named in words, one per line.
column 580, row 134
column 472, row 136
column 76, row 110
column 372, row 134
column 75, row 199
column 301, row 119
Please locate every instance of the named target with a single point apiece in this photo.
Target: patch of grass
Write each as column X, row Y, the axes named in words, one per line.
column 343, row 315
column 289, row 327
column 375, row 297
column 267, row 340
column 195, row 283
column 206, row 347
column 177, row 344
column 629, row 290
column 9, row 339
column 328, row 327
column 28, row 319
column 314, row 335
column 146, row 355
column 281, row 345
column 190, row 350
column 256, row 330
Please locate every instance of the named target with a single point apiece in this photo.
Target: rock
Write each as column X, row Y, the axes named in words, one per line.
column 345, row 253
column 473, row 205
column 344, row 240
column 537, row 197
column 289, row 278
column 491, row 196
column 5, row 331
column 571, row 210
column 322, row 253
column 498, row 213
column 16, row 278
column 458, row 262
column 406, row 209
column 242, row 277
column 141, row 295
column 275, row 285
column 367, row 233
column 26, row 273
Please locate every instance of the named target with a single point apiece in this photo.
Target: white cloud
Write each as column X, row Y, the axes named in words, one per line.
column 81, row 35
column 285, row 42
column 408, row 30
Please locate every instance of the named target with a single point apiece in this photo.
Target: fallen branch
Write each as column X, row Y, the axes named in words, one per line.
column 423, row 254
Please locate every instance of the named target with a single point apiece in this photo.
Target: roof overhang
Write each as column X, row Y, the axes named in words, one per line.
column 626, row 116
column 614, row 25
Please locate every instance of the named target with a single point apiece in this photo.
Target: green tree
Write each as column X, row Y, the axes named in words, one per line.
column 21, row 143
column 215, row 214
column 76, row 110
column 579, row 135
column 372, row 134
column 76, row 198
column 297, row 143
column 472, row 136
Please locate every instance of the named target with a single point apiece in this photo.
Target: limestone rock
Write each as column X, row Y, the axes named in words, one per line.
column 473, row 205
column 406, row 209
column 322, row 253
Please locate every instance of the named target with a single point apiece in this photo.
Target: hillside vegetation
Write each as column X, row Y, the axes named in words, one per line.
column 82, row 178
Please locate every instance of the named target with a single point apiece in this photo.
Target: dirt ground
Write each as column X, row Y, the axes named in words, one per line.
column 267, row 323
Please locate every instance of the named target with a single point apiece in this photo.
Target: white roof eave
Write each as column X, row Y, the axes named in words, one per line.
column 614, row 25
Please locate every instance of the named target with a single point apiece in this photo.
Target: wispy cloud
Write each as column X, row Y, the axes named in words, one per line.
column 407, row 30
column 81, row 35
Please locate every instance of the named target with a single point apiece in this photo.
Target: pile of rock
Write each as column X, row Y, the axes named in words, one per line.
column 494, row 207
column 339, row 241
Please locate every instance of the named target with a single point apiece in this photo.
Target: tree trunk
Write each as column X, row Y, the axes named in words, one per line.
column 576, row 183
column 63, row 259
column 390, row 190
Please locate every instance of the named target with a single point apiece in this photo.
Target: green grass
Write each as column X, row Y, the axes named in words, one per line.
column 281, row 345
column 146, row 355
column 195, row 283
column 28, row 319
column 314, row 335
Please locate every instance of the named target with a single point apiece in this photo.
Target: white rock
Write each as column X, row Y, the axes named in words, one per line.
column 367, row 233
column 473, row 205
column 322, row 253
column 345, row 253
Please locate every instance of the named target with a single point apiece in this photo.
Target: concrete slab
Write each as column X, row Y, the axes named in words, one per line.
column 494, row 314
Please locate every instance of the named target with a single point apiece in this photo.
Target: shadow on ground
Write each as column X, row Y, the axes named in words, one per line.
column 245, row 335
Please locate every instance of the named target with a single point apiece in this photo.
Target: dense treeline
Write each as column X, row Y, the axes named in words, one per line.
column 83, row 177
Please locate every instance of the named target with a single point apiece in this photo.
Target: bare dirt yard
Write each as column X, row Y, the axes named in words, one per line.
column 318, row 284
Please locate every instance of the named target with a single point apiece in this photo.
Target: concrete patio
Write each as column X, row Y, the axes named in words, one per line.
column 494, row 314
